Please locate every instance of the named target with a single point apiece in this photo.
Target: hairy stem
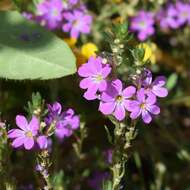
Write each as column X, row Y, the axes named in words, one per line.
column 122, row 143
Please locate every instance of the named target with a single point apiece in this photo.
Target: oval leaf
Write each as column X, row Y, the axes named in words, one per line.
column 29, row 51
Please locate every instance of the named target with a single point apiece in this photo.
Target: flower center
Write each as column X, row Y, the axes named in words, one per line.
column 29, row 134
column 143, row 106
column 185, row 14
column 54, row 12
column 76, row 23
column 98, row 78
column 119, row 99
column 142, row 24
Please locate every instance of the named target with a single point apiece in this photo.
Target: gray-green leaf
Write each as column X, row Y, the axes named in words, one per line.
column 29, row 51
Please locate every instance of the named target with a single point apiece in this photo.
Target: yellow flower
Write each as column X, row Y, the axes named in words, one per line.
column 70, row 41
column 88, row 50
column 150, row 51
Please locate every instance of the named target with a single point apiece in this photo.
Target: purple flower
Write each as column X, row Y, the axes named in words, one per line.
column 65, row 122
column 69, row 123
column 114, row 100
column 168, row 18
column 26, row 134
column 42, row 142
column 143, row 24
column 156, row 87
column 144, row 105
column 95, row 74
column 49, row 13
column 183, row 10
column 54, row 113
column 76, row 22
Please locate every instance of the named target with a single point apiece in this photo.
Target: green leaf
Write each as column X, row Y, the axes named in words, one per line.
column 172, row 81
column 29, row 51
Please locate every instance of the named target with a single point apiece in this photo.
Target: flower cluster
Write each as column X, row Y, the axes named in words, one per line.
column 33, row 134
column 115, row 99
column 70, row 16
column 28, row 134
column 65, row 122
column 173, row 16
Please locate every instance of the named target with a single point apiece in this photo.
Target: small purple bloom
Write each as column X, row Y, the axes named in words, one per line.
column 77, row 22
column 143, row 24
column 42, row 142
column 168, row 18
column 69, row 123
column 49, row 13
column 26, row 134
column 156, row 87
column 65, row 122
column 39, row 168
column 114, row 100
column 144, row 105
column 54, row 114
column 95, row 74
column 183, row 10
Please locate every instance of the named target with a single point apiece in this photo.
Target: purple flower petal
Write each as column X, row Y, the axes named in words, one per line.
column 106, row 71
column 119, row 112
column 21, row 122
column 90, row 94
column 129, row 91
column 151, row 99
column 132, row 105
column 160, row 91
column 34, row 125
column 136, row 113
column 75, row 122
column 117, row 84
column 18, row 142
column 102, row 86
column 141, row 95
column 28, row 143
column 107, row 108
column 154, row 109
column 15, row 133
column 85, row 83
column 159, row 81
column 42, row 142
column 146, row 117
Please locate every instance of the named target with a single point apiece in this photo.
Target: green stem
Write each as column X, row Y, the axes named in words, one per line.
column 123, row 139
